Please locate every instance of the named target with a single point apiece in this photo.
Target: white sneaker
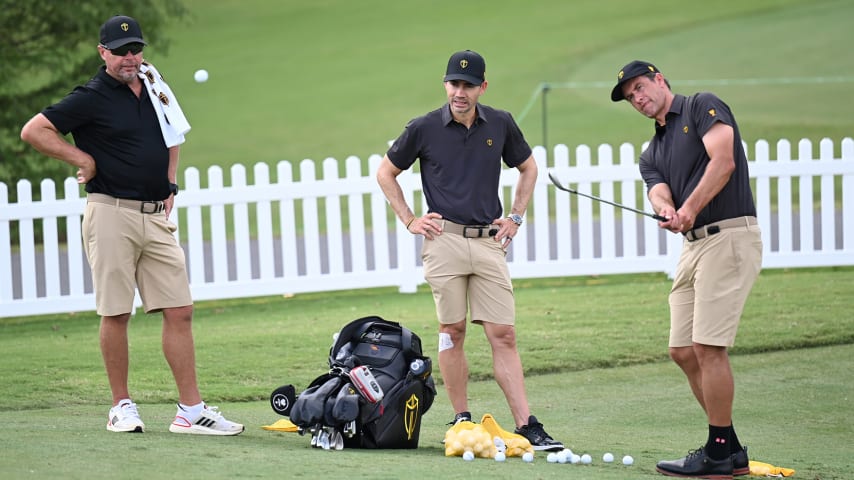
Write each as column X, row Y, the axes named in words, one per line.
column 124, row 417
column 208, row 422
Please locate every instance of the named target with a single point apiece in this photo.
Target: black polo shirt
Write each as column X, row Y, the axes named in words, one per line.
column 677, row 157
column 460, row 167
column 121, row 132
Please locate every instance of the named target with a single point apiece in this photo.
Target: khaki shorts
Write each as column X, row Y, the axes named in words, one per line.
column 128, row 249
column 469, row 270
column 712, row 282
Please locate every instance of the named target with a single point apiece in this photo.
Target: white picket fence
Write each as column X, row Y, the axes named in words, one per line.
column 336, row 233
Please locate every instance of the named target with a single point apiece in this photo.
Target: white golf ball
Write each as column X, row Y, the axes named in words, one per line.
column 608, row 457
column 575, row 459
column 628, row 460
column 468, row 456
column 201, row 76
column 561, row 456
column 528, row 457
column 500, row 457
column 551, row 457
column 586, row 459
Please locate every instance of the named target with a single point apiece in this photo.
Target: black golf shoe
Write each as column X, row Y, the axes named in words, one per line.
column 740, row 463
column 461, row 417
column 538, row 437
column 697, row 465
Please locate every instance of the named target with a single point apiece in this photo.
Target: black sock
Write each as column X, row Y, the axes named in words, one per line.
column 717, row 447
column 734, row 444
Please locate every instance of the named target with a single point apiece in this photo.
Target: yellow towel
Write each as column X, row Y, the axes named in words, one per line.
column 762, row 469
column 282, row 425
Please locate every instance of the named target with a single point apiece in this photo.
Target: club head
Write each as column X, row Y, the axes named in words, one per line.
column 558, row 184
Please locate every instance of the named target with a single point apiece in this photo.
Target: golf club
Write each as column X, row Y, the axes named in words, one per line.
column 570, row 190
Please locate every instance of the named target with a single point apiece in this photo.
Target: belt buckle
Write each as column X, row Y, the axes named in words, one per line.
column 490, row 232
column 157, row 207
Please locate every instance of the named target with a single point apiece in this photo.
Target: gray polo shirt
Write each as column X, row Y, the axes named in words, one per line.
column 677, row 157
column 460, row 167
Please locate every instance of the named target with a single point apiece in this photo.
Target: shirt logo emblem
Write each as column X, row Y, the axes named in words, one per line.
column 712, row 112
column 125, row 27
column 685, row 129
column 489, row 142
column 464, row 63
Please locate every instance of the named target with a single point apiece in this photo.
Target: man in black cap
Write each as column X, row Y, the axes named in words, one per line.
column 695, row 170
column 461, row 147
column 129, row 169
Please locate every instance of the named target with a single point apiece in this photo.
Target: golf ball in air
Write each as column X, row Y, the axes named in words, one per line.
column 528, row 457
column 500, row 457
column 628, row 460
column 608, row 457
column 586, row 459
column 468, row 456
column 201, row 76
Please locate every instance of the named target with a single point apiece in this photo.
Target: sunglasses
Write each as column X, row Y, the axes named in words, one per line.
column 134, row 48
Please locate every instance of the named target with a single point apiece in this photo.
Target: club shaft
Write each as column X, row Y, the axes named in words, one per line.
column 593, row 197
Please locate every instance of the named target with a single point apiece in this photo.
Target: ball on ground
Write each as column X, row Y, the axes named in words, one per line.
column 528, row 457
column 201, row 76
column 500, row 457
column 551, row 457
column 608, row 457
column 586, row 459
column 468, row 456
column 628, row 460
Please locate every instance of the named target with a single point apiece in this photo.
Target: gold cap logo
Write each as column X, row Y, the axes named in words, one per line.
column 651, row 68
column 620, row 75
column 125, row 27
column 464, row 63
column 712, row 112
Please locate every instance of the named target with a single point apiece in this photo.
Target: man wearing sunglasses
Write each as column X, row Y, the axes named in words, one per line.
column 122, row 155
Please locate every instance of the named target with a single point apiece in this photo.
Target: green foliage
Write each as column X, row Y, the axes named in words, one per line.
column 46, row 49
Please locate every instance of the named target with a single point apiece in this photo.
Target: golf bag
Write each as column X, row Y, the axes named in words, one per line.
column 378, row 387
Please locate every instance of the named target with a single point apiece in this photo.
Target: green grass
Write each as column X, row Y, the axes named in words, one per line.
column 293, row 81
column 594, row 349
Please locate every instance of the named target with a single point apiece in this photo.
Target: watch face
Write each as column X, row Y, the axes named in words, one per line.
column 517, row 219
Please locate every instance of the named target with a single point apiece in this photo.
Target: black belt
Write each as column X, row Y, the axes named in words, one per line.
column 142, row 206
column 713, row 228
column 470, row 231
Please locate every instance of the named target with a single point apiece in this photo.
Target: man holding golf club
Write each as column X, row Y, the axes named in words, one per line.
column 461, row 147
column 696, row 174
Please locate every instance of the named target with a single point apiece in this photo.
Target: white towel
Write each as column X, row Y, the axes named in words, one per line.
column 173, row 123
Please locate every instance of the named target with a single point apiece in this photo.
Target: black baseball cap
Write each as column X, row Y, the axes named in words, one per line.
column 120, row 30
column 466, row 65
column 634, row 69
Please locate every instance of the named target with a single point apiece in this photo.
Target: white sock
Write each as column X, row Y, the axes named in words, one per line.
column 192, row 410
column 124, row 400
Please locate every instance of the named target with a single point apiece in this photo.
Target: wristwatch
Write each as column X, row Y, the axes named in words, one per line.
column 173, row 187
column 515, row 218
